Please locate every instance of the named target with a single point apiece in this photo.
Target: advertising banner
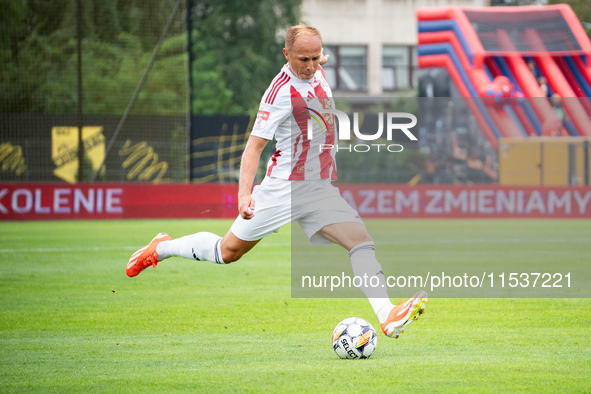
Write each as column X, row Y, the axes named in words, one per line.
column 47, row 201
column 450, row 201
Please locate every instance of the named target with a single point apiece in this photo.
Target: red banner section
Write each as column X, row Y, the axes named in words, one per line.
column 45, row 201
column 449, row 201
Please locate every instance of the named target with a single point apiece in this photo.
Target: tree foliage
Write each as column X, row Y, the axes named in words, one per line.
column 38, row 57
column 241, row 40
column 236, row 53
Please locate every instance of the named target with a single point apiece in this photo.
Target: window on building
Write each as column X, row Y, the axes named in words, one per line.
column 347, row 67
column 398, row 67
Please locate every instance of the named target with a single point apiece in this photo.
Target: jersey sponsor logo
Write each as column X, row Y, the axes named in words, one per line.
column 317, row 119
column 261, row 120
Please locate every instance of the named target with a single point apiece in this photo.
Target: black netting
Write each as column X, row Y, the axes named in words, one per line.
column 39, row 95
column 529, row 31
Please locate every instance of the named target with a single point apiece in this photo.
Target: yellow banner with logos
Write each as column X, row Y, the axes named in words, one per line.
column 64, row 149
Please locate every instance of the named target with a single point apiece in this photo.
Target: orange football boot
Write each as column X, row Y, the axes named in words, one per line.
column 405, row 313
column 146, row 256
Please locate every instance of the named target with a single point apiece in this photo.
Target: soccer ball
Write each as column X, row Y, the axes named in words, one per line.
column 354, row 338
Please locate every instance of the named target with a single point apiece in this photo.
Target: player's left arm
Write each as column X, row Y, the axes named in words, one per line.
column 323, row 58
column 248, row 169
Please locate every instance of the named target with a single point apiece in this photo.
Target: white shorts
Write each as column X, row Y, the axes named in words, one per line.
column 313, row 204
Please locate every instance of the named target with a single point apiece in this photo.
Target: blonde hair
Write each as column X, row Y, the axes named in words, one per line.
column 299, row 30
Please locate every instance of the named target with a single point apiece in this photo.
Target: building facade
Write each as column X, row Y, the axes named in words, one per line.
column 372, row 43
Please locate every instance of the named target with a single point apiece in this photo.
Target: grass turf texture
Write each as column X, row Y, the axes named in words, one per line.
column 72, row 321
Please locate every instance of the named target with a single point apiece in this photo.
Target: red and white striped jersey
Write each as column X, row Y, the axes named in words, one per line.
column 287, row 108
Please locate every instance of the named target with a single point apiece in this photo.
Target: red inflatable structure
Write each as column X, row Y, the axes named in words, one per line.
column 514, row 66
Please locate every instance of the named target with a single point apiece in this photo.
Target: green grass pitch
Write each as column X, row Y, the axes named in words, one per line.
column 72, row 321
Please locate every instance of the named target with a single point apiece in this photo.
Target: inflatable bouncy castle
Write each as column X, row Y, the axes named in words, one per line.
column 514, row 66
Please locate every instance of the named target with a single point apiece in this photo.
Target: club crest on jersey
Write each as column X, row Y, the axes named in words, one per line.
column 261, row 120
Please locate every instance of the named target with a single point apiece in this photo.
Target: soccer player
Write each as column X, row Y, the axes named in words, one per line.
column 297, row 185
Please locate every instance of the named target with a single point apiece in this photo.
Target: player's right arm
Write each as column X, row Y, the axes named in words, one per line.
column 248, row 169
column 275, row 108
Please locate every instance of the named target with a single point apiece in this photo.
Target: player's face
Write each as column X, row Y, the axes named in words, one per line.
column 304, row 56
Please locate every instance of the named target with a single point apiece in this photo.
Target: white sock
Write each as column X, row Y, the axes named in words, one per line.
column 200, row 246
column 364, row 262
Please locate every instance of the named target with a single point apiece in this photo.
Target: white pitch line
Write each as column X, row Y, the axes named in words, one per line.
column 93, row 249
column 483, row 241
column 100, row 249
column 274, row 245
